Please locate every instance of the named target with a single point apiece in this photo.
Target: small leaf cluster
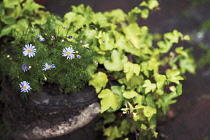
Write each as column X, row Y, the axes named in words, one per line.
column 17, row 15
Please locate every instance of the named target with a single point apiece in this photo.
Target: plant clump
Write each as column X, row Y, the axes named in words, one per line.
column 136, row 74
column 42, row 56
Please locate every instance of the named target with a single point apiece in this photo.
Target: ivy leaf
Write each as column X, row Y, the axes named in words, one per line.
column 144, row 3
column 152, row 4
column 149, row 112
column 117, row 15
column 30, row 5
column 91, row 69
column 145, row 13
column 125, row 127
column 180, row 50
column 11, row 3
column 130, row 94
column 160, row 80
column 166, row 100
column 132, row 32
column 174, row 76
column 186, row 37
column 172, row 88
column 6, row 30
column 143, row 126
column 149, row 86
column 153, row 124
column 122, row 44
column 106, row 42
column 70, row 17
column 108, row 118
column 100, row 19
column 164, row 46
column 119, row 91
column 130, row 69
column 132, row 15
column 22, row 25
column 139, row 99
column 135, row 82
column 173, row 37
column 8, row 20
column 112, row 133
column 117, row 61
column 187, row 65
column 150, row 100
column 99, row 81
column 144, row 68
column 108, row 99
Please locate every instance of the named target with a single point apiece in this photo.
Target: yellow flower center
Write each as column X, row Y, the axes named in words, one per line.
column 29, row 51
column 68, row 53
column 48, row 66
column 24, row 87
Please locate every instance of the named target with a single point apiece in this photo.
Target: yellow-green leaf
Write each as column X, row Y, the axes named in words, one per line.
column 149, row 112
column 174, row 76
column 112, row 133
column 108, row 100
column 160, row 80
column 149, row 86
column 145, row 13
column 99, row 81
column 129, row 94
column 173, row 37
column 117, row 62
column 152, row 4
column 172, row 88
column 130, row 69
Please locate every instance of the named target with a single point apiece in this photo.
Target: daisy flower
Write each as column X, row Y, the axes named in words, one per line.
column 25, row 86
column 29, row 50
column 48, row 66
column 26, row 67
column 41, row 39
column 68, row 52
column 79, row 56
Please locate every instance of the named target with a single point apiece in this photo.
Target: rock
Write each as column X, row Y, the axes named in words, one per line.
column 44, row 115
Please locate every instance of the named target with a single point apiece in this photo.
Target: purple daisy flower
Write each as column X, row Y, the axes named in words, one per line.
column 48, row 66
column 69, row 53
column 26, row 67
column 25, row 86
column 79, row 56
column 29, row 50
column 41, row 39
